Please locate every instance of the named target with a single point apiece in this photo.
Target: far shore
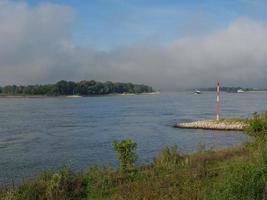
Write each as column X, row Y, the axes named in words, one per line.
column 76, row 96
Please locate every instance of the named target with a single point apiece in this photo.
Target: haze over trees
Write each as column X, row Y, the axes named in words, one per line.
column 227, row 89
column 84, row 88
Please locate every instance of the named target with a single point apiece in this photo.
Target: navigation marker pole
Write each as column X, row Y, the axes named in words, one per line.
column 218, row 101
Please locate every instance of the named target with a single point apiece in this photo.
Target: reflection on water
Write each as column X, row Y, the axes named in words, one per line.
column 38, row 134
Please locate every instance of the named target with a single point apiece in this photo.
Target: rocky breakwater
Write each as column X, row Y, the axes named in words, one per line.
column 214, row 125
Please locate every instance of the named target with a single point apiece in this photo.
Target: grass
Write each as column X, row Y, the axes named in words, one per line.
column 235, row 173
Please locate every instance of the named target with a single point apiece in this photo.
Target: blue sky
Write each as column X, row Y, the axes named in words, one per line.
column 106, row 24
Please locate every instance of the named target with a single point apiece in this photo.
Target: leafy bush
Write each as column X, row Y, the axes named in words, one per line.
column 125, row 153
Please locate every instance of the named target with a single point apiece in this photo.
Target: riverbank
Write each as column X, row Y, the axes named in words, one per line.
column 234, row 173
column 224, row 124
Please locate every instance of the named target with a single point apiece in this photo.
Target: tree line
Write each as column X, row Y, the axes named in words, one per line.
column 83, row 88
column 226, row 89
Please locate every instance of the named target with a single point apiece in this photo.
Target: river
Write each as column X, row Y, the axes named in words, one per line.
column 38, row 134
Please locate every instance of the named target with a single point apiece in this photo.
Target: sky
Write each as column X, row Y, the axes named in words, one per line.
column 168, row 44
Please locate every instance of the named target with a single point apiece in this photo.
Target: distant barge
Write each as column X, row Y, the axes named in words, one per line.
column 225, row 125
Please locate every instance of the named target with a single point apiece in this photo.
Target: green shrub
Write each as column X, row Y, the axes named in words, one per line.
column 258, row 125
column 125, row 153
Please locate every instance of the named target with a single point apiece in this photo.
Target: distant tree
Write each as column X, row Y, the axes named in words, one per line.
column 108, row 87
column 80, row 88
column 62, row 87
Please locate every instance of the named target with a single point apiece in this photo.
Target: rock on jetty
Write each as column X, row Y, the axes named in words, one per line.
column 214, row 125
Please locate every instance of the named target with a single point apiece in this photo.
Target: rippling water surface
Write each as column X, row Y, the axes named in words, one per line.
column 48, row 133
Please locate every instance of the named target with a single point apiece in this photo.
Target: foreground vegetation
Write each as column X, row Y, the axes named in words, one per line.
column 232, row 174
column 83, row 88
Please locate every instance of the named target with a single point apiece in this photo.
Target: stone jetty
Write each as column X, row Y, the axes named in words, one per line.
column 231, row 125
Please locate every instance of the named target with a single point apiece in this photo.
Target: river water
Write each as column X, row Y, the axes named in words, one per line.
column 37, row 134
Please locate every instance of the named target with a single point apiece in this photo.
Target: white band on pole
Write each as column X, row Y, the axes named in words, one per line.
column 218, row 101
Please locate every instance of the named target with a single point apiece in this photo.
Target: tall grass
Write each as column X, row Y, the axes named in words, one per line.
column 258, row 125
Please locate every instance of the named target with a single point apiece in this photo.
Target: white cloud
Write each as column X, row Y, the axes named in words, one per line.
column 36, row 47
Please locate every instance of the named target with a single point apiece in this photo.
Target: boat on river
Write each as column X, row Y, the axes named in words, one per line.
column 196, row 92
